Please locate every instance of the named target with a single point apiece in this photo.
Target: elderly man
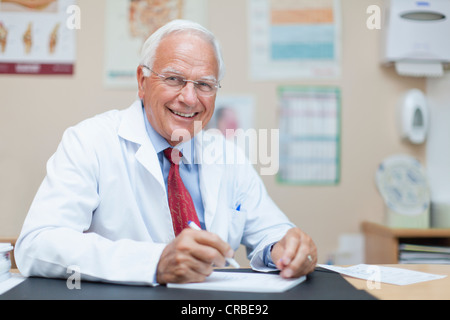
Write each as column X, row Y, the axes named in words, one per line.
column 123, row 186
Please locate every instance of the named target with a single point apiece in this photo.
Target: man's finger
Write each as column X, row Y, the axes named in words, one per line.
column 299, row 265
column 291, row 245
column 214, row 241
column 208, row 255
column 207, row 247
column 189, row 258
column 305, row 258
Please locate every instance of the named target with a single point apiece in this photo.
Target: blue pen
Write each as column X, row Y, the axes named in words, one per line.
column 238, row 207
column 230, row 261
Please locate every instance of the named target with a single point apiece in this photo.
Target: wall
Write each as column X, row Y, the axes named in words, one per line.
column 438, row 156
column 34, row 111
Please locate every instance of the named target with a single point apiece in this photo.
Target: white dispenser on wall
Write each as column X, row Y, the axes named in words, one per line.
column 416, row 36
column 413, row 116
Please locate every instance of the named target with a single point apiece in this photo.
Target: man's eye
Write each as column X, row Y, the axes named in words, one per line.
column 205, row 85
column 173, row 78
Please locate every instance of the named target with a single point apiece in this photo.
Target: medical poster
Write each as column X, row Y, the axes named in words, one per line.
column 294, row 39
column 37, row 37
column 130, row 22
column 309, row 135
column 232, row 113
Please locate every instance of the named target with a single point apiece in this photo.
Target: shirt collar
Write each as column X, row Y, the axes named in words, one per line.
column 160, row 144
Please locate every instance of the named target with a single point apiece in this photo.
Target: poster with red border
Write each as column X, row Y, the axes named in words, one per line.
column 38, row 37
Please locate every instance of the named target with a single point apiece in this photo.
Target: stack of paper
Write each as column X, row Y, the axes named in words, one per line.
column 421, row 254
column 376, row 273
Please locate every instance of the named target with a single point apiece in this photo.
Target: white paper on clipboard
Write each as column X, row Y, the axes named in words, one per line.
column 242, row 281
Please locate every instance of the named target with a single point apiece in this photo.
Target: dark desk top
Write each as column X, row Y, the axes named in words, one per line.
column 319, row 285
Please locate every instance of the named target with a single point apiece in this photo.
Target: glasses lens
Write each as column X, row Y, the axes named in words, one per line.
column 174, row 81
column 206, row 91
column 205, row 86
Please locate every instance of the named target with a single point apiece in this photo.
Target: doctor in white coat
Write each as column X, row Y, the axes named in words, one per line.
column 103, row 205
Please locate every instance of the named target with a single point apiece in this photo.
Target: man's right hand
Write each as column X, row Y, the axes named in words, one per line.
column 191, row 256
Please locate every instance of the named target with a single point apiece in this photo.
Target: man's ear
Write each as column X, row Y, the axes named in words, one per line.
column 141, row 76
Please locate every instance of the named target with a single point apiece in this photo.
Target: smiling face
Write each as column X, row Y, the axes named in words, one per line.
column 171, row 111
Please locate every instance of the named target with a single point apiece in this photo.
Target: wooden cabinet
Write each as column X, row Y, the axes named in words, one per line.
column 381, row 242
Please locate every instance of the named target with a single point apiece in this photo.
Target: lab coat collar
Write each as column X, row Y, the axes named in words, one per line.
column 132, row 128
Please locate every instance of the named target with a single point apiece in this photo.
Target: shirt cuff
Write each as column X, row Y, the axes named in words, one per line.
column 267, row 256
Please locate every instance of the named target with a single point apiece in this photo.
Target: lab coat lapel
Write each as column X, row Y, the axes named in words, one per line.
column 132, row 128
column 209, row 156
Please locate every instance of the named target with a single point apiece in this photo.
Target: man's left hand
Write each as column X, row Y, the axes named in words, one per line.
column 295, row 255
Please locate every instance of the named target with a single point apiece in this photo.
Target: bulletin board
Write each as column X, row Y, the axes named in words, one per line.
column 310, row 135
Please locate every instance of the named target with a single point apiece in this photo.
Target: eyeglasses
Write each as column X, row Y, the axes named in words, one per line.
column 204, row 88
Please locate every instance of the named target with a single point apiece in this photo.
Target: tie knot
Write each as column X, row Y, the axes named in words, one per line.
column 173, row 155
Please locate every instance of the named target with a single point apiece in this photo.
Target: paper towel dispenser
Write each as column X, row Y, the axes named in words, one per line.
column 416, row 36
column 413, row 116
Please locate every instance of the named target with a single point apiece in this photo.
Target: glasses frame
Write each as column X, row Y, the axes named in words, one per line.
column 216, row 86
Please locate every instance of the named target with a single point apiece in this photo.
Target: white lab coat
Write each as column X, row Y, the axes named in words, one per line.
column 103, row 208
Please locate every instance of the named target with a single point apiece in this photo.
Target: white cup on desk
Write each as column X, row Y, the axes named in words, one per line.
column 5, row 260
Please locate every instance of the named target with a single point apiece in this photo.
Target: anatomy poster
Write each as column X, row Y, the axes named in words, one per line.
column 37, row 37
column 130, row 22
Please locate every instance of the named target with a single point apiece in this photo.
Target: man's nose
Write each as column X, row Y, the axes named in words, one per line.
column 188, row 94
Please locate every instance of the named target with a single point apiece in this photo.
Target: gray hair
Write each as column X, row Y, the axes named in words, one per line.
column 151, row 44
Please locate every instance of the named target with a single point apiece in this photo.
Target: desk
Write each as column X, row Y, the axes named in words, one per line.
column 430, row 290
column 320, row 285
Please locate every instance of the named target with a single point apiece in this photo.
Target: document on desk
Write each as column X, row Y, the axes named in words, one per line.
column 242, row 281
column 397, row 276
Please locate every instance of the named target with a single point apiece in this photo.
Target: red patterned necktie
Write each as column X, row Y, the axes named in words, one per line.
column 180, row 202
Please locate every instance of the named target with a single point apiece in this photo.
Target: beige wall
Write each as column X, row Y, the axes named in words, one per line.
column 34, row 111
